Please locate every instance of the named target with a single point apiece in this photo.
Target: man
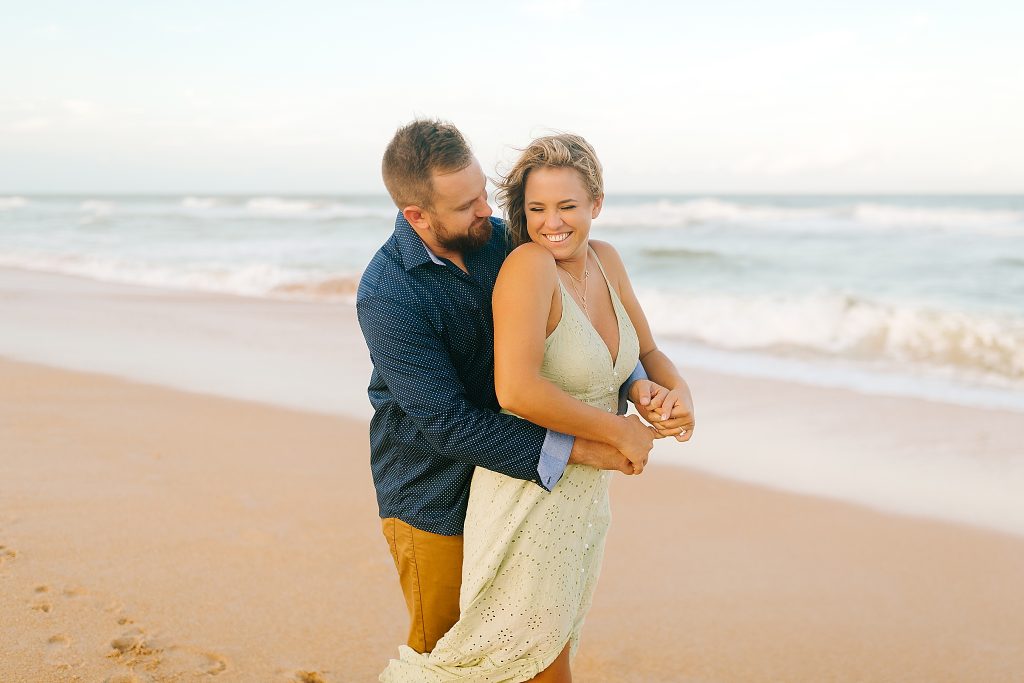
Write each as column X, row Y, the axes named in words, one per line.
column 424, row 306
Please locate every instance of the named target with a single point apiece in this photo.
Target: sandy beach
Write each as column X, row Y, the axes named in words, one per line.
column 193, row 531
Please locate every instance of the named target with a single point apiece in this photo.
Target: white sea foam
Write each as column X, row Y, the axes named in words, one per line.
column 316, row 209
column 951, row 218
column 200, row 202
column 7, row 203
column 832, row 217
column 247, row 279
column 96, row 206
column 987, row 347
column 277, row 208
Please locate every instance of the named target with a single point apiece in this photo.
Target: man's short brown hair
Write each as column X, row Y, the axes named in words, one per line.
column 414, row 153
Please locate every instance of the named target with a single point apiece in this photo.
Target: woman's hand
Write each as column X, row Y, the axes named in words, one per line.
column 670, row 411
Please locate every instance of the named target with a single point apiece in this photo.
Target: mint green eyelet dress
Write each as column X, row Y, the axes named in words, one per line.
column 532, row 558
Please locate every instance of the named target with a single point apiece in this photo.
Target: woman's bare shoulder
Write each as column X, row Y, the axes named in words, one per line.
column 528, row 260
column 610, row 258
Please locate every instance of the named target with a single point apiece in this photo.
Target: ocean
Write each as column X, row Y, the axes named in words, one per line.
column 902, row 295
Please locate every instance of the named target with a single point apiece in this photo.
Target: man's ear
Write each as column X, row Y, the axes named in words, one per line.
column 417, row 217
column 598, row 203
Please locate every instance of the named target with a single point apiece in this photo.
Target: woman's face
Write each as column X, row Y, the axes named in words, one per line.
column 559, row 211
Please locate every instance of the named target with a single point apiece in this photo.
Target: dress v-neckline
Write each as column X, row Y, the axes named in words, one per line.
column 614, row 360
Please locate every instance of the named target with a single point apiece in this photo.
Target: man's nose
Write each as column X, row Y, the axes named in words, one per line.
column 483, row 210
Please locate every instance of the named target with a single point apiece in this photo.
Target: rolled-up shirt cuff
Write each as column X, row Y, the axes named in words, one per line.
column 638, row 373
column 554, row 455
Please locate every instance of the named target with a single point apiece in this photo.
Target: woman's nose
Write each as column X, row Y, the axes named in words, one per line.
column 552, row 220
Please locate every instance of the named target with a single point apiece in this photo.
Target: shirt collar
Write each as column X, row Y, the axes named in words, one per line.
column 432, row 255
column 413, row 250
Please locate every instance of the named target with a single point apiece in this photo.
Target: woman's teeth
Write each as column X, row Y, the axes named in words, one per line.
column 558, row 236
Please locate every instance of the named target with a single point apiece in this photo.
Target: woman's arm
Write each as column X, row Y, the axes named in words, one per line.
column 670, row 410
column 522, row 303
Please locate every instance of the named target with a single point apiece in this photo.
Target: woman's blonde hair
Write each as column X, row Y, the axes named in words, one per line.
column 563, row 150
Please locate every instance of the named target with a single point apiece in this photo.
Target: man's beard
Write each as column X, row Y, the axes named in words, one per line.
column 479, row 234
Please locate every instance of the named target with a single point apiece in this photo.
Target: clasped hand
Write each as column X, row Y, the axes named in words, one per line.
column 669, row 411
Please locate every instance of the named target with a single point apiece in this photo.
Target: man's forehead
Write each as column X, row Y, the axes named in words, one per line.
column 461, row 185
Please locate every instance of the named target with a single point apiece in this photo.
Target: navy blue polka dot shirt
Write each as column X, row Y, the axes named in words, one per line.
column 430, row 334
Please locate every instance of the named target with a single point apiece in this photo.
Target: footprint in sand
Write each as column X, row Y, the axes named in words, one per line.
column 127, row 677
column 73, row 591
column 308, row 677
column 7, row 554
column 41, row 606
column 132, row 647
column 132, row 640
column 185, row 659
column 56, row 647
column 42, row 589
column 135, row 647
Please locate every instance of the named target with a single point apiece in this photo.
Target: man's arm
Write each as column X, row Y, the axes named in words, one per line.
column 418, row 371
column 638, row 374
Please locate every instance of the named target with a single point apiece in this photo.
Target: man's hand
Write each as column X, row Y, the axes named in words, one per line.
column 670, row 412
column 635, row 440
column 599, row 455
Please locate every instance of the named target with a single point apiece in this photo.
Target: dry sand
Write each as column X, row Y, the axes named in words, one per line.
column 148, row 534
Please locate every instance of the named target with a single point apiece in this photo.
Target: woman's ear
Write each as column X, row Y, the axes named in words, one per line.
column 598, row 203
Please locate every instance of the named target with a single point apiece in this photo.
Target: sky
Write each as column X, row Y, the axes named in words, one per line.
column 682, row 97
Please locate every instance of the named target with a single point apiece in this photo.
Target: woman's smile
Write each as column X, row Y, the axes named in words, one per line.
column 558, row 236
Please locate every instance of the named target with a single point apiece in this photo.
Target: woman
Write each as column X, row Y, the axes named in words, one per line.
column 568, row 327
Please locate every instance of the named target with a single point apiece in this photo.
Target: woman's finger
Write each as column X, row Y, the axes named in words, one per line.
column 658, row 398
column 669, row 405
column 672, row 422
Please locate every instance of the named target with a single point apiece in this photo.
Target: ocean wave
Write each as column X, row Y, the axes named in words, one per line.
column 96, row 206
column 219, row 208
column 954, row 218
column 278, row 207
column 7, row 203
column 681, row 254
column 200, row 202
column 315, row 209
column 249, row 279
column 990, row 347
column 835, row 216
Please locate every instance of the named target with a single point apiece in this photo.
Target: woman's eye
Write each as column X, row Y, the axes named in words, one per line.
column 569, row 208
column 535, row 210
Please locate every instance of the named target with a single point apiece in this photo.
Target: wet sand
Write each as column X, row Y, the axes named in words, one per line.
column 151, row 534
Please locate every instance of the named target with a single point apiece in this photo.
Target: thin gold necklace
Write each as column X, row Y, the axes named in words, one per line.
column 583, row 296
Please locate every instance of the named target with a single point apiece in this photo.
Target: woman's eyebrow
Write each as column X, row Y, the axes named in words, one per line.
column 560, row 201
